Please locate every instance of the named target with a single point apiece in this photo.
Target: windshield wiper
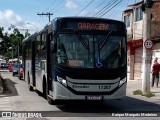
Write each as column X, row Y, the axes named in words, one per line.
column 105, row 40
column 86, row 46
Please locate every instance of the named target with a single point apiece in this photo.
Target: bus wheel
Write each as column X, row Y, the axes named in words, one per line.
column 29, row 86
column 49, row 99
column 44, row 89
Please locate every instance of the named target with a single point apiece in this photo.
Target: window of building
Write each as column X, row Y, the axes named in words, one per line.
column 139, row 14
column 127, row 20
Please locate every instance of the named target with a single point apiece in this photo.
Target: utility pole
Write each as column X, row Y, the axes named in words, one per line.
column 47, row 14
column 147, row 53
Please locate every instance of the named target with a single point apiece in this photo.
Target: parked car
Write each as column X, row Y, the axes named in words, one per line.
column 20, row 72
column 4, row 65
column 15, row 69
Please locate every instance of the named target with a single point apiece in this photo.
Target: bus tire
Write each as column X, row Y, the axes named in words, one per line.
column 46, row 92
column 44, row 88
column 49, row 99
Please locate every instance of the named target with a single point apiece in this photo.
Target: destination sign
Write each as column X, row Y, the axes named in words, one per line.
column 93, row 26
column 104, row 26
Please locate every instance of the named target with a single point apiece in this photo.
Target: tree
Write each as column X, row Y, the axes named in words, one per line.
column 4, row 43
column 11, row 42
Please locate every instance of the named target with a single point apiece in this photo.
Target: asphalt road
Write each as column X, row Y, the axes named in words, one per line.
column 22, row 100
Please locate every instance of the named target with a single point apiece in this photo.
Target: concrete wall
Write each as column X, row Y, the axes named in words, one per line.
column 155, row 21
column 138, row 30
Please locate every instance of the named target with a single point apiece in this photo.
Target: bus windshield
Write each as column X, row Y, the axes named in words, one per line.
column 91, row 51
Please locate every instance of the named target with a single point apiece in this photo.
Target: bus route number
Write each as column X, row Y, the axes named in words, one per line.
column 104, row 87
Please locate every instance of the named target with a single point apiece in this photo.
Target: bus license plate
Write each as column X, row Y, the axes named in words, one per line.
column 94, row 97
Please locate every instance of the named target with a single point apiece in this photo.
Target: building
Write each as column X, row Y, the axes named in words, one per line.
column 133, row 19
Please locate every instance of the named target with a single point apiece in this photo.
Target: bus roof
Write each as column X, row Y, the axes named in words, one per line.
column 71, row 18
column 29, row 37
column 83, row 18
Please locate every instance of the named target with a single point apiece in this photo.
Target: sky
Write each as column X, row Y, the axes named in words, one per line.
column 22, row 14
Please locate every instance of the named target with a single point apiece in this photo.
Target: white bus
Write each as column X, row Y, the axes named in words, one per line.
column 77, row 58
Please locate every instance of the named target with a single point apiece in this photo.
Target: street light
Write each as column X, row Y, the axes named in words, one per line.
column 37, row 29
column 12, row 50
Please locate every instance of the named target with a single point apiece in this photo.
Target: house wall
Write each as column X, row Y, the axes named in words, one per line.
column 137, row 28
column 138, row 63
column 155, row 21
column 129, row 29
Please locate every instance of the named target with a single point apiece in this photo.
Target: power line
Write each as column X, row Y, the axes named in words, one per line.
column 110, row 5
column 111, row 8
column 82, row 4
column 58, row 4
column 105, row 7
column 60, row 8
column 50, row 5
column 85, row 7
column 96, row 7
column 115, row 12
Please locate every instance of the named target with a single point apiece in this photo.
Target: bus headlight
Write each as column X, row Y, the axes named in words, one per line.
column 122, row 81
column 62, row 81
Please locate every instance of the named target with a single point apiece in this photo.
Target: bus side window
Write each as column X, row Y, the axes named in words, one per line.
column 43, row 42
column 43, row 65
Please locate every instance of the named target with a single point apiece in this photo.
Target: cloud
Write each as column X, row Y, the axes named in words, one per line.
column 8, row 17
column 71, row 4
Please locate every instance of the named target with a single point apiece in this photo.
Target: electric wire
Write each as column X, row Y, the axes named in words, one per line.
column 105, row 8
column 49, row 6
column 58, row 4
column 110, row 8
column 60, row 8
column 85, row 7
column 82, row 4
column 115, row 12
column 96, row 7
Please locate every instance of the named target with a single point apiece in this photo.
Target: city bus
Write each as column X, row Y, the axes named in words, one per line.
column 77, row 58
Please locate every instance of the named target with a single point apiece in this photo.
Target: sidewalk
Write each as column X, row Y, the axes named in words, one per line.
column 133, row 85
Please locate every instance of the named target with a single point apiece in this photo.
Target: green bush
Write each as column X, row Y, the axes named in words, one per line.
column 139, row 92
column 149, row 94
